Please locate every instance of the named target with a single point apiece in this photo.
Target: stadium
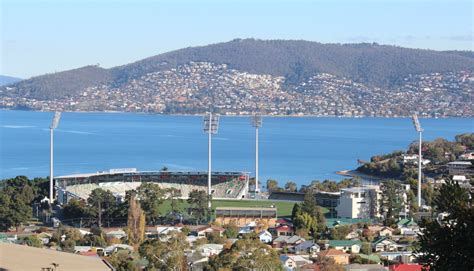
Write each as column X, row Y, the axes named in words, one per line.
column 225, row 185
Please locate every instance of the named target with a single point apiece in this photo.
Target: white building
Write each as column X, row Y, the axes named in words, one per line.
column 359, row 202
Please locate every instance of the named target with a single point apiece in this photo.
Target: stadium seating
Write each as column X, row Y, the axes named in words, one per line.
column 224, row 186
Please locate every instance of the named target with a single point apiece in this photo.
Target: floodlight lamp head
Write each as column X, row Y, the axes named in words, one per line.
column 55, row 122
column 416, row 123
column 257, row 121
column 211, row 123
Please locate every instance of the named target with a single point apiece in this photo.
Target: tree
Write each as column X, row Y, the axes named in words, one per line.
column 68, row 245
column 246, row 254
column 309, row 215
column 412, row 202
column 305, row 220
column 16, row 197
column 366, row 248
column 135, row 223
column 231, row 230
column 102, row 204
column 32, row 241
column 198, row 209
column 166, row 255
column 448, row 244
column 428, row 193
column 328, row 264
column 75, row 209
column 296, row 209
column 340, row 232
column 151, row 198
column 391, row 201
column 309, row 206
column 174, row 195
column 272, row 185
column 291, row 187
column 123, row 260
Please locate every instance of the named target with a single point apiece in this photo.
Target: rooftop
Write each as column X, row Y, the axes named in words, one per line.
column 19, row 257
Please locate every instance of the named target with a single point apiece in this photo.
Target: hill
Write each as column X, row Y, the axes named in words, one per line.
column 7, row 80
column 62, row 84
column 271, row 76
column 372, row 64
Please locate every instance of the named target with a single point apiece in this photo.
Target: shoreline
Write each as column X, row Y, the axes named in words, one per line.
column 355, row 174
column 245, row 115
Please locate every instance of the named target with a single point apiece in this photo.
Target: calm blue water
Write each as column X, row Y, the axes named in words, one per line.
column 297, row 149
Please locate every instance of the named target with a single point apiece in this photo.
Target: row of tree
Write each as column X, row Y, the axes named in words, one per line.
column 316, row 185
column 102, row 205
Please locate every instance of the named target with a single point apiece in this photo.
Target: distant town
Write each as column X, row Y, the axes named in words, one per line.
column 193, row 87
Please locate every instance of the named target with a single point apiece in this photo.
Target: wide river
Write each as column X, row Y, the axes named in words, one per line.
column 300, row 149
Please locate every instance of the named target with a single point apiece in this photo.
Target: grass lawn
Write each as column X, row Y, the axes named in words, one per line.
column 284, row 208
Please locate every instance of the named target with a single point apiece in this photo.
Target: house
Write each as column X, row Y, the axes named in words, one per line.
column 288, row 262
column 265, row 237
column 164, row 230
column 284, row 230
column 335, row 222
column 383, row 243
column 248, row 228
column 408, row 227
column 307, row 247
column 386, row 231
column 406, row 223
column 398, row 256
column 364, row 267
column 114, row 248
column 206, row 230
column 116, row 234
column 406, row 267
column 311, row 267
column 352, row 246
column 283, row 221
column 210, row 249
column 287, row 241
column 293, row 262
column 338, row 256
column 371, row 258
column 352, row 235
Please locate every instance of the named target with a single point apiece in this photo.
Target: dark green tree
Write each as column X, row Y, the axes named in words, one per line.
column 448, row 244
column 16, row 197
column 391, row 201
column 151, row 199
column 198, row 208
column 102, row 205
column 174, row 196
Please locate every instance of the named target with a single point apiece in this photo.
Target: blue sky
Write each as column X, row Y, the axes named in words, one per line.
column 40, row 37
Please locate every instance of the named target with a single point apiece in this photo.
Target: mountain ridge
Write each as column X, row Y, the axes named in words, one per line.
column 290, row 77
column 7, row 80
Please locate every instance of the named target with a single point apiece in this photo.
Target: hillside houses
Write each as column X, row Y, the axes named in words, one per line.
column 190, row 89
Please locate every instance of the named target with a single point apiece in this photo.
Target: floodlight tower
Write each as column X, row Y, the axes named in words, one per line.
column 54, row 125
column 257, row 123
column 211, row 123
column 416, row 124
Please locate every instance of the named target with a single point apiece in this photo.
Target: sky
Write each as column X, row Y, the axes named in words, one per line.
column 39, row 37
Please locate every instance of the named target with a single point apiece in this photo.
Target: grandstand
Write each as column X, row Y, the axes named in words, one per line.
column 225, row 185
